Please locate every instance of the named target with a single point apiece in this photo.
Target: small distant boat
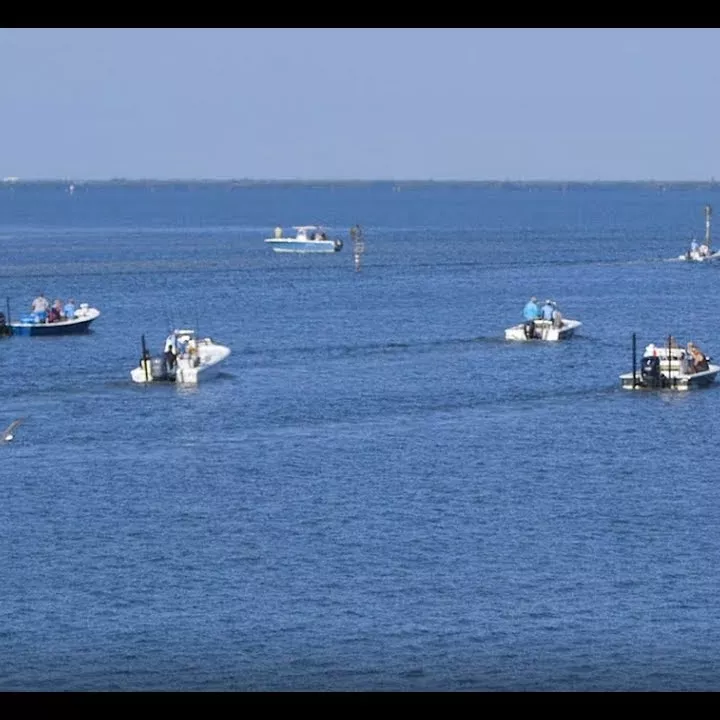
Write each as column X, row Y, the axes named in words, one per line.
column 185, row 358
column 35, row 324
column 308, row 238
column 8, row 434
column 703, row 252
column 543, row 330
column 669, row 367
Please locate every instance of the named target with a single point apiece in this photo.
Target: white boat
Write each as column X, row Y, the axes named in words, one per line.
column 543, row 330
column 700, row 254
column 308, row 238
column 185, row 358
column 669, row 367
column 703, row 252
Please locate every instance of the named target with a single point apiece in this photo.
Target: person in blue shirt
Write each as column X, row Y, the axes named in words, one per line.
column 69, row 309
column 547, row 309
column 531, row 311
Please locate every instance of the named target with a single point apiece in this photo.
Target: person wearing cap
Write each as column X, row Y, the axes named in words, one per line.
column 546, row 311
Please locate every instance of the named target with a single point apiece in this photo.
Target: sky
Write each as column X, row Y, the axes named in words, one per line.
column 522, row 104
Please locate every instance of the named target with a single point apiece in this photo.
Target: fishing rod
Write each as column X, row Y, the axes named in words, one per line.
column 144, row 360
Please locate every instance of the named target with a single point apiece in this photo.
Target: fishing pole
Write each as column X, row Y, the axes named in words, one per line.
column 144, row 360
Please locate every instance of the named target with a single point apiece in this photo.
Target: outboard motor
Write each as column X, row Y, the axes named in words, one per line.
column 4, row 327
column 158, row 370
column 650, row 371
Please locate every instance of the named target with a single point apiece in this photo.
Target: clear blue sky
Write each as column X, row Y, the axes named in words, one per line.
column 340, row 104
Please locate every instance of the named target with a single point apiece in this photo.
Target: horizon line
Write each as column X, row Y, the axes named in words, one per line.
column 11, row 180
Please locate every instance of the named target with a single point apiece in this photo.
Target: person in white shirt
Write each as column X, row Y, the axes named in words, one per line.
column 40, row 304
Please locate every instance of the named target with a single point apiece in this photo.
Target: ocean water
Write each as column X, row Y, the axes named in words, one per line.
column 379, row 493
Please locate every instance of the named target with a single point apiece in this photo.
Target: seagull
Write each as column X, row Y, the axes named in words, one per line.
column 7, row 434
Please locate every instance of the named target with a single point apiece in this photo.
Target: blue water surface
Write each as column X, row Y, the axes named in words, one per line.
column 379, row 492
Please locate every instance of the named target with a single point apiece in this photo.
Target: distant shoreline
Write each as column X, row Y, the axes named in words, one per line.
column 12, row 182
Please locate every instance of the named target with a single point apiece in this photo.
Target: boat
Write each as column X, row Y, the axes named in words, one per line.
column 670, row 367
column 34, row 323
column 184, row 359
column 703, row 252
column 8, row 434
column 308, row 238
column 543, row 330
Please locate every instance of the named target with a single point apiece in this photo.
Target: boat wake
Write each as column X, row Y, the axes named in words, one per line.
column 288, row 356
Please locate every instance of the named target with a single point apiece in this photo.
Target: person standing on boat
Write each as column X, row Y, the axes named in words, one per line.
column 170, row 353
column 40, row 303
column 278, row 232
column 531, row 312
column 556, row 316
column 40, row 307
column 192, row 352
column 546, row 311
column 69, row 309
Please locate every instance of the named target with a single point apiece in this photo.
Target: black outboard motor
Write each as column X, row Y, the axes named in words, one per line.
column 530, row 329
column 158, row 368
column 650, row 371
column 4, row 327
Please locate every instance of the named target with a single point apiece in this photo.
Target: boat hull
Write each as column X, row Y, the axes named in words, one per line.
column 671, row 380
column 75, row 326
column 544, row 331
column 697, row 257
column 291, row 245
